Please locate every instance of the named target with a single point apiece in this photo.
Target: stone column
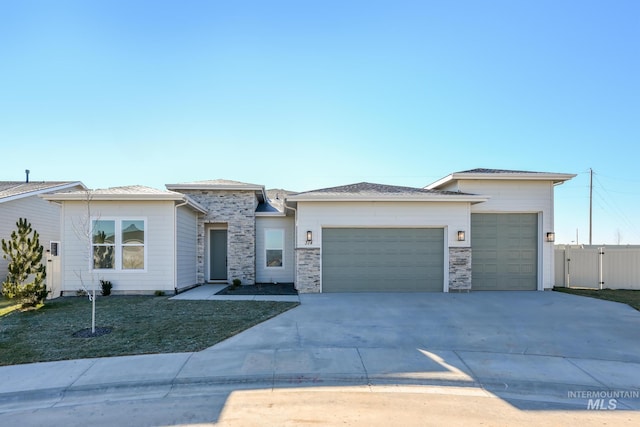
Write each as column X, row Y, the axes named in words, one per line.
column 308, row 270
column 459, row 269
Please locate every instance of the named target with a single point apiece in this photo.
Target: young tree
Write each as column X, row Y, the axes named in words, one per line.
column 84, row 229
column 25, row 280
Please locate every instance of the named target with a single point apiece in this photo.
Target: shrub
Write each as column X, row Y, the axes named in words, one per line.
column 106, row 287
column 236, row 283
column 25, row 280
column 159, row 293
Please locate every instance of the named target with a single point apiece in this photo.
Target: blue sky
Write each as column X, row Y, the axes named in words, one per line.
column 310, row 94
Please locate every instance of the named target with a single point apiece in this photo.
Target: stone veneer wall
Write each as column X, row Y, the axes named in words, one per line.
column 308, row 270
column 459, row 269
column 236, row 209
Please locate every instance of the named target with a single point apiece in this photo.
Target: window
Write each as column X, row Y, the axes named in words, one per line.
column 103, row 239
column 274, row 247
column 133, row 245
column 118, row 244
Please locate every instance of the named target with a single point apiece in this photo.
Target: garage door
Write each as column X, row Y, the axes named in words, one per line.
column 504, row 252
column 382, row 260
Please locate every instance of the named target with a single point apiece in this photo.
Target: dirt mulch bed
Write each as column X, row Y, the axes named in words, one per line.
column 264, row 289
column 86, row 333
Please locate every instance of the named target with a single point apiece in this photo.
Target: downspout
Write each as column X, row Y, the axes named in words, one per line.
column 295, row 244
column 175, row 246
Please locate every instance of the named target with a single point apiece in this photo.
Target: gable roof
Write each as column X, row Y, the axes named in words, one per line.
column 367, row 191
column 502, row 174
column 125, row 193
column 220, row 184
column 12, row 190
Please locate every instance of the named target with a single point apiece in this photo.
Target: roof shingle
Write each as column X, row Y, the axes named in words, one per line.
column 367, row 191
column 494, row 171
column 20, row 188
column 368, row 188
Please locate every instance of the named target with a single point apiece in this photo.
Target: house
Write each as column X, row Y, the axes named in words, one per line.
column 141, row 239
column 482, row 229
column 244, row 234
column 19, row 199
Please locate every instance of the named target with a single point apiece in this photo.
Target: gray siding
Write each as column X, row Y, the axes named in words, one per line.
column 266, row 274
column 159, row 242
column 43, row 216
column 187, row 247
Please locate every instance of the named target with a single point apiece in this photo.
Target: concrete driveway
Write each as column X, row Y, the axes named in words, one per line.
column 532, row 350
column 515, row 344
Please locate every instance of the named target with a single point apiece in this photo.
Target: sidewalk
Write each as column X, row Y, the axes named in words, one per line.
column 534, row 379
column 208, row 292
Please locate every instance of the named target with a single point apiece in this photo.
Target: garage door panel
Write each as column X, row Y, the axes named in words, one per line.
column 514, row 269
column 527, row 269
column 391, row 260
column 504, row 257
column 489, row 268
column 529, row 256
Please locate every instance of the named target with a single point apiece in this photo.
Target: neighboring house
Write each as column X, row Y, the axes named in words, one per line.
column 19, row 199
column 481, row 229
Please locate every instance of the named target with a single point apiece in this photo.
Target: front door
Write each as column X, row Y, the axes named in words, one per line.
column 218, row 255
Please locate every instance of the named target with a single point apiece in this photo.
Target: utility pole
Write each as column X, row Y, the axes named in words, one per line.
column 590, row 205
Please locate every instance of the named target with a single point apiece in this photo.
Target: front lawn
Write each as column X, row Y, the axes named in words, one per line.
column 626, row 296
column 7, row 305
column 139, row 325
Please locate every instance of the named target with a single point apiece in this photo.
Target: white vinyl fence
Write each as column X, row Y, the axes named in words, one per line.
column 597, row 267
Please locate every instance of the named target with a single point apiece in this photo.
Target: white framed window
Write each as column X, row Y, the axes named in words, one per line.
column 118, row 244
column 274, row 247
column 103, row 241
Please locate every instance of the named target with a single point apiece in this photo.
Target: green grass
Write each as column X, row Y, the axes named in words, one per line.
column 140, row 325
column 7, row 306
column 626, row 296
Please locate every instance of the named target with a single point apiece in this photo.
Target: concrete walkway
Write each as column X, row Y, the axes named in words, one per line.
column 208, row 293
column 532, row 351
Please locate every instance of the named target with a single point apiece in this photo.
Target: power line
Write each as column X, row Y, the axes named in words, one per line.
column 614, row 208
column 625, row 179
column 615, row 213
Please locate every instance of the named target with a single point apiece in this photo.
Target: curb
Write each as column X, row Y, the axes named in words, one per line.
column 521, row 393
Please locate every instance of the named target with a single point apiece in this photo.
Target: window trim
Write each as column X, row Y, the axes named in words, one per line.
column 267, row 248
column 118, row 245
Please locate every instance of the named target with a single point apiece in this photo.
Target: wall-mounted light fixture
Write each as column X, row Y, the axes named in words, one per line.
column 309, row 237
column 461, row 236
column 551, row 236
